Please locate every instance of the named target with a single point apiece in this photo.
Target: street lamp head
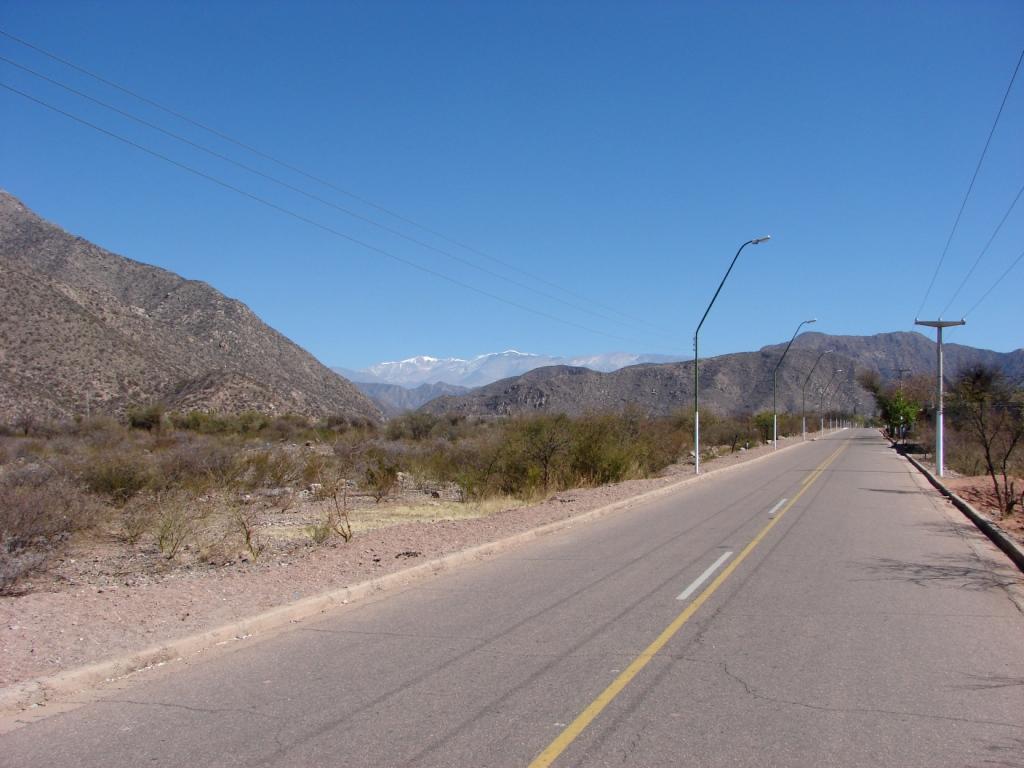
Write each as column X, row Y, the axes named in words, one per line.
column 812, row 320
column 759, row 240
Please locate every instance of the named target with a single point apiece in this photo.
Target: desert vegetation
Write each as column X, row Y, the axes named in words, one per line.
column 984, row 427
column 201, row 488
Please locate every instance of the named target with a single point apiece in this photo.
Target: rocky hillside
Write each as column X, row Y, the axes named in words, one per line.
column 394, row 399
column 887, row 353
column 484, row 369
column 85, row 329
column 730, row 384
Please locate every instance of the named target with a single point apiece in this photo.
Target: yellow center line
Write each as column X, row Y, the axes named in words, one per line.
column 577, row 726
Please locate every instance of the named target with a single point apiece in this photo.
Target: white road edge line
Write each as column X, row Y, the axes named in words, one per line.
column 776, row 507
column 704, row 576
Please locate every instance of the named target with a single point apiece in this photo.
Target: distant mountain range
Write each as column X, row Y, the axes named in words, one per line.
column 394, row 399
column 85, row 330
column 887, row 353
column 730, row 384
column 488, row 368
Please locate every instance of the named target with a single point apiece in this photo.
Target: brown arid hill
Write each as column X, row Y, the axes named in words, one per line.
column 83, row 329
column 887, row 353
column 730, row 384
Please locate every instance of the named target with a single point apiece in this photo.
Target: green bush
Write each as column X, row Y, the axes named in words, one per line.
column 150, row 418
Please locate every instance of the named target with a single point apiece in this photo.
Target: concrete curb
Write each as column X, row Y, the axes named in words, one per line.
column 998, row 536
column 39, row 691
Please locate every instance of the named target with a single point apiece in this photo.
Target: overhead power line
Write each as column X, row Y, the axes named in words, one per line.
column 996, row 283
column 977, row 168
column 977, row 261
column 320, row 180
column 315, row 197
column 313, row 222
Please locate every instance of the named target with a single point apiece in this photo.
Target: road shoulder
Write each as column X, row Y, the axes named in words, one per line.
column 118, row 657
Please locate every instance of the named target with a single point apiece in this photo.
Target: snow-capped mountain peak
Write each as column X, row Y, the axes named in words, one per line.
column 506, row 353
column 484, row 369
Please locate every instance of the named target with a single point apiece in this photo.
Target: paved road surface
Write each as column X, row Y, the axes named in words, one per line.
column 859, row 624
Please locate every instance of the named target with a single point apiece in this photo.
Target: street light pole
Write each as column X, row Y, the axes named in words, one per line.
column 803, row 396
column 833, row 419
column 821, row 401
column 696, row 336
column 775, row 384
column 938, row 325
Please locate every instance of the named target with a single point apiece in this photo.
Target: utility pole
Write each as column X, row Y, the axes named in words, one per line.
column 938, row 325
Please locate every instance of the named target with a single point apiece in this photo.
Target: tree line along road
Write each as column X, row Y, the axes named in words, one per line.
column 822, row 607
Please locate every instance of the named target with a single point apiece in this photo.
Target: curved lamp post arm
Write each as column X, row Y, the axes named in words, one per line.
column 786, row 350
column 813, row 368
column 696, row 336
column 803, row 393
column 835, row 373
column 732, row 264
column 775, row 384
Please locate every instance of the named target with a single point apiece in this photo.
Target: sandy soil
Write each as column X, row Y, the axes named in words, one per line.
column 102, row 599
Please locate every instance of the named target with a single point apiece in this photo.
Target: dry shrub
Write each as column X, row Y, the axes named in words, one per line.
column 332, row 495
column 197, row 464
column 314, row 466
column 119, row 476
column 39, row 510
column 136, row 519
column 177, row 519
column 273, row 468
column 244, row 518
column 381, row 475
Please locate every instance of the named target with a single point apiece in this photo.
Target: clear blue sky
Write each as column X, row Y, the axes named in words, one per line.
column 622, row 150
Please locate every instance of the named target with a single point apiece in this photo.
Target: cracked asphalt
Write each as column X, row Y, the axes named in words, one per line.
column 870, row 626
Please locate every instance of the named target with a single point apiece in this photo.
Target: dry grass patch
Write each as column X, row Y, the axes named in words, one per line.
column 371, row 518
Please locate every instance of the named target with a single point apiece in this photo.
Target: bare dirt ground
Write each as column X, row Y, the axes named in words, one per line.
column 102, row 599
column 980, row 494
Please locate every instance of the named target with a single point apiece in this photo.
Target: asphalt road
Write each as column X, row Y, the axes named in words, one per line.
column 851, row 620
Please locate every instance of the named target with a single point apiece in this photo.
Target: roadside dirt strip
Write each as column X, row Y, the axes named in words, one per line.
column 825, row 607
column 40, row 697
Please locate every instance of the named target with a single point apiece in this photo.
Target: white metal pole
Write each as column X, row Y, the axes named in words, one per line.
column 938, row 325
column 938, row 412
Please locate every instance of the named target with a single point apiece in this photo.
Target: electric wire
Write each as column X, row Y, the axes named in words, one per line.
column 320, row 180
column 963, row 205
column 314, row 222
column 977, row 261
column 1000, row 279
column 317, row 198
